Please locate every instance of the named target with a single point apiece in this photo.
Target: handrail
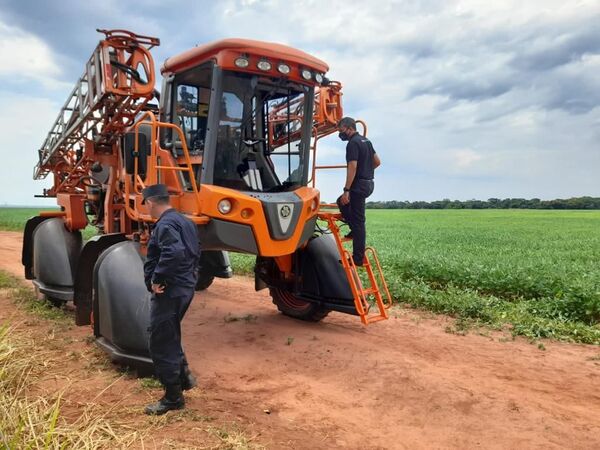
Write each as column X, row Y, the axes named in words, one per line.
column 316, row 137
column 148, row 118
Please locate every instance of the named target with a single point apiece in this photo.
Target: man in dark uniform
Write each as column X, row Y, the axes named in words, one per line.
column 362, row 162
column 170, row 274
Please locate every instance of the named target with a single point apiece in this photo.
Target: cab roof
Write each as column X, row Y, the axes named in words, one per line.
column 223, row 49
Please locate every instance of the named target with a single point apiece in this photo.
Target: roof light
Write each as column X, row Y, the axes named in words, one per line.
column 264, row 65
column 283, row 68
column 306, row 74
column 242, row 62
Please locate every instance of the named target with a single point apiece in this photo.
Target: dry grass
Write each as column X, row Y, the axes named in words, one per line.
column 30, row 420
column 42, row 382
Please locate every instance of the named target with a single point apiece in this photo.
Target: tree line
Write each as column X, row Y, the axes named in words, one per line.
column 493, row 203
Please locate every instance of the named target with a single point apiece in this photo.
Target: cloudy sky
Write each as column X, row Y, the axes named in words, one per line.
column 464, row 99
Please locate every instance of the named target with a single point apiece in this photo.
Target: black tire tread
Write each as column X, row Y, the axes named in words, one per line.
column 312, row 312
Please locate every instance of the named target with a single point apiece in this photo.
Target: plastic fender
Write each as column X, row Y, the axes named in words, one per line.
column 84, row 276
column 121, row 300
column 322, row 273
column 55, row 253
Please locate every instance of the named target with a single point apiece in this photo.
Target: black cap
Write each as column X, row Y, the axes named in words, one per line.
column 156, row 190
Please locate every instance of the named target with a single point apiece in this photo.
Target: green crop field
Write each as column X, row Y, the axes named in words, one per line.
column 534, row 272
column 537, row 271
column 13, row 219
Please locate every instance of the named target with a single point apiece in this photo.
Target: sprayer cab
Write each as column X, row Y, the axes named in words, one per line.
column 245, row 109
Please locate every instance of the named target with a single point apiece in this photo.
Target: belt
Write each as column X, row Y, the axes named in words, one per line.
column 366, row 179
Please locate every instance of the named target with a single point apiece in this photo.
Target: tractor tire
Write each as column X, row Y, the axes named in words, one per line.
column 292, row 306
column 204, row 281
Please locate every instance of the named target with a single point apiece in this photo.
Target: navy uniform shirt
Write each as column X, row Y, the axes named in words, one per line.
column 360, row 149
column 173, row 253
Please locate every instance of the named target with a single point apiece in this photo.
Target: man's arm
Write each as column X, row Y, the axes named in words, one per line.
column 376, row 161
column 350, row 173
column 171, row 251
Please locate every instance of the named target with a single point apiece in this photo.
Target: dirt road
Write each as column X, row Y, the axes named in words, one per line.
column 404, row 383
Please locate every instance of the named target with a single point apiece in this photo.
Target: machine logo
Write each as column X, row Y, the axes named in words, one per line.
column 285, row 211
column 285, row 216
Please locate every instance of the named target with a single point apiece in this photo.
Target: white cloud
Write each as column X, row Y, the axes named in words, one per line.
column 25, row 56
column 465, row 158
column 24, row 122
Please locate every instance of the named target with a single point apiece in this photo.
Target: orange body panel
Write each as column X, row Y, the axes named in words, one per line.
column 210, row 196
column 74, row 211
column 225, row 52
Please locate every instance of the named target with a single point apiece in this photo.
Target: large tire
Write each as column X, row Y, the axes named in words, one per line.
column 292, row 306
column 204, row 281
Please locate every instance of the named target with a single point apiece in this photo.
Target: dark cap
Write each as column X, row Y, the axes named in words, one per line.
column 156, row 190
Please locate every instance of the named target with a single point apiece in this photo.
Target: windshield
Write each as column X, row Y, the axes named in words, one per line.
column 262, row 142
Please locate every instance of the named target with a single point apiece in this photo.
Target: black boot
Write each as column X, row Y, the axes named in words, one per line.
column 188, row 380
column 173, row 399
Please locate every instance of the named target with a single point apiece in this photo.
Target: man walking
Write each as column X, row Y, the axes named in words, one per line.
column 362, row 162
column 170, row 274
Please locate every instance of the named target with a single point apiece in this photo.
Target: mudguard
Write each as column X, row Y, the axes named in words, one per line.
column 84, row 275
column 55, row 254
column 122, row 304
column 323, row 276
column 27, row 252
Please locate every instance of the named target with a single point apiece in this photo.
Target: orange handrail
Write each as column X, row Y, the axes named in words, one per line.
column 148, row 118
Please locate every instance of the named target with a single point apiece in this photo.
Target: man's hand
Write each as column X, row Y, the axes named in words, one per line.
column 158, row 288
column 376, row 161
column 345, row 198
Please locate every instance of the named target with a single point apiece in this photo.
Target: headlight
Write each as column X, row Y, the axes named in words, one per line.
column 318, row 78
column 224, row 206
column 264, row 65
column 283, row 68
column 242, row 62
column 306, row 74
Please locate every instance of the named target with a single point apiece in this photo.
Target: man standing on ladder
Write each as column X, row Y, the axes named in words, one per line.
column 362, row 162
column 170, row 274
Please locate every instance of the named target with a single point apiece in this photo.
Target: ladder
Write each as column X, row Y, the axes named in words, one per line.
column 366, row 297
column 116, row 85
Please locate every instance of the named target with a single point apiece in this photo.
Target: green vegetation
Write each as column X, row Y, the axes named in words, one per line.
column 25, row 298
column 493, row 203
column 13, row 219
column 535, row 272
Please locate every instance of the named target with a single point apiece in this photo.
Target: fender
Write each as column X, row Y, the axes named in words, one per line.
column 84, row 276
column 55, row 254
column 322, row 273
column 121, row 305
column 321, row 278
column 27, row 252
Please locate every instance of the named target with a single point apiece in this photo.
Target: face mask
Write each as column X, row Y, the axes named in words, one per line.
column 343, row 135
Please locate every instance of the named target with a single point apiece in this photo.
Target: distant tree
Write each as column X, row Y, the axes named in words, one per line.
column 492, row 203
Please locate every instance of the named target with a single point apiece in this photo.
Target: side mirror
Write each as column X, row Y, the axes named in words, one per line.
column 129, row 153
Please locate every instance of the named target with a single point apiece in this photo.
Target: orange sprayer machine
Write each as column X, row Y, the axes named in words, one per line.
column 233, row 134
